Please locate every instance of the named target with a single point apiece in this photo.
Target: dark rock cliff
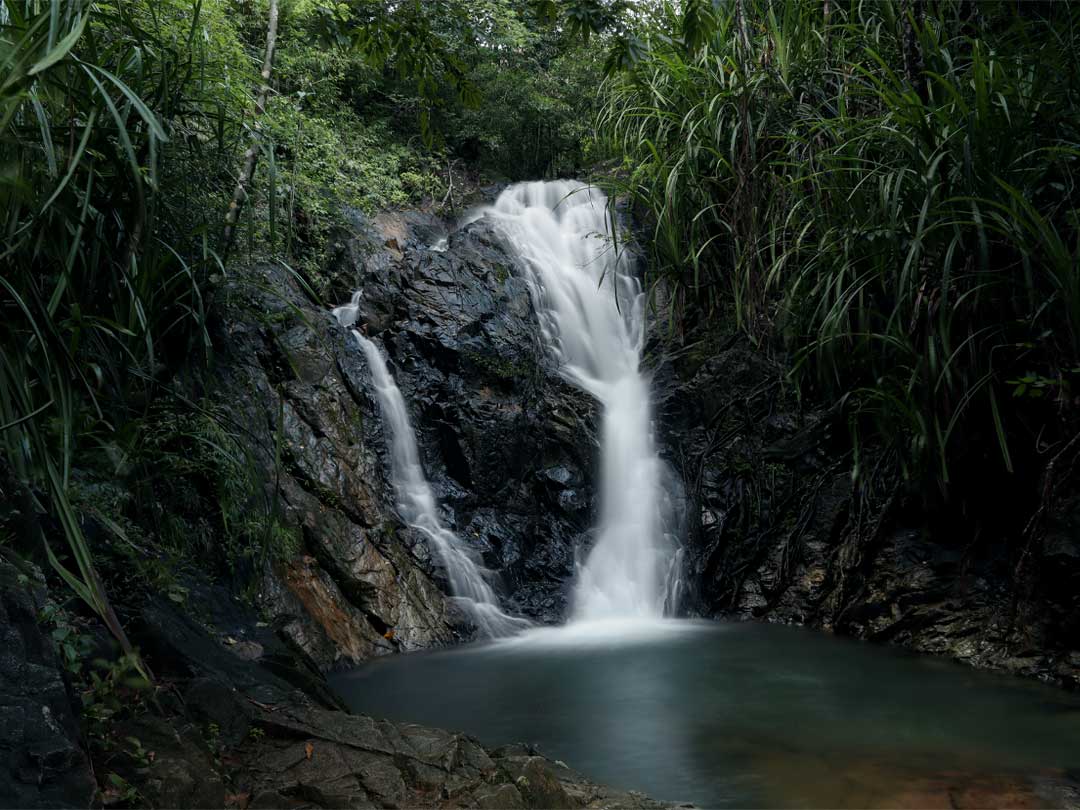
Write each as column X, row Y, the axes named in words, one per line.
column 780, row 532
column 507, row 444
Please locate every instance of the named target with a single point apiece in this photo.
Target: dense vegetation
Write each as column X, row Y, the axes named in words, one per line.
column 882, row 193
column 886, row 191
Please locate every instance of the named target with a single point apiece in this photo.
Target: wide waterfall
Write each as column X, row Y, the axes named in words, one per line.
column 592, row 314
column 416, row 501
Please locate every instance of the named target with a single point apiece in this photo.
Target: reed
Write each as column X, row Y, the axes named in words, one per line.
column 102, row 267
column 887, row 193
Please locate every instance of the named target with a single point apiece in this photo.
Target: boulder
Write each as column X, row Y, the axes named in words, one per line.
column 42, row 761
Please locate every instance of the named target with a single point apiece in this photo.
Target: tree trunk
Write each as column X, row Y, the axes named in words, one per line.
column 914, row 17
column 741, row 23
column 251, row 157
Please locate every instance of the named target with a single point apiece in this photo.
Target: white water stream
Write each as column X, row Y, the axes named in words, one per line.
column 416, row 501
column 592, row 313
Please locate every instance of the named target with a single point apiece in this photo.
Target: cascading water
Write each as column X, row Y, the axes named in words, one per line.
column 592, row 314
column 416, row 501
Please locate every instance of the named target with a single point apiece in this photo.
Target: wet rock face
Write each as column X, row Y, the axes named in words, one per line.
column 42, row 763
column 360, row 584
column 508, row 445
column 778, row 532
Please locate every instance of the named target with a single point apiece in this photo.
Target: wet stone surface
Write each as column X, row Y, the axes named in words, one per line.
column 507, row 444
column 42, row 763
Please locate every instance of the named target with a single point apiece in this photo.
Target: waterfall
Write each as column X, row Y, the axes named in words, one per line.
column 416, row 501
column 592, row 315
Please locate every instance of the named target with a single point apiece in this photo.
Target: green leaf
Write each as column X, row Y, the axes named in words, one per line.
column 136, row 102
column 62, row 48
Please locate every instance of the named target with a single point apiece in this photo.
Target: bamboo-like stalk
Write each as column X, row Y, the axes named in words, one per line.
column 251, row 156
column 914, row 64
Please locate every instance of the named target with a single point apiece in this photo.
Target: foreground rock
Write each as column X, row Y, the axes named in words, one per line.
column 242, row 734
column 42, row 763
column 311, row 757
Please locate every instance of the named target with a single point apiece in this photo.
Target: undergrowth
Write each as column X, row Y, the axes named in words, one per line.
column 887, row 193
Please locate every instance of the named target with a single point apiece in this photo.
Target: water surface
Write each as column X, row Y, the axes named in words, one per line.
column 737, row 715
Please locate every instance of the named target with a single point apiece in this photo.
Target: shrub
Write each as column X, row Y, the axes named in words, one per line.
column 890, row 195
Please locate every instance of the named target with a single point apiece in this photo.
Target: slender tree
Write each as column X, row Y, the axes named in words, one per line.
column 251, row 156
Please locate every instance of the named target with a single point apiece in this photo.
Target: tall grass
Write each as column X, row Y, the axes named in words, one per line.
column 890, row 195
column 102, row 268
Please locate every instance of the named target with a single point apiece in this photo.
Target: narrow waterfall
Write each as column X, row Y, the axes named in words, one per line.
column 592, row 314
column 416, row 501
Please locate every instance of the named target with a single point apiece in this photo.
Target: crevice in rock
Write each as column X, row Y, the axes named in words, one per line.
column 453, row 457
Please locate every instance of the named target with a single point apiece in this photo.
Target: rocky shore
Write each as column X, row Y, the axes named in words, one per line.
column 775, row 527
column 238, row 721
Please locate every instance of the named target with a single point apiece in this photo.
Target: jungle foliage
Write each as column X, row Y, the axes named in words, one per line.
column 886, row 192
column 122, row 126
